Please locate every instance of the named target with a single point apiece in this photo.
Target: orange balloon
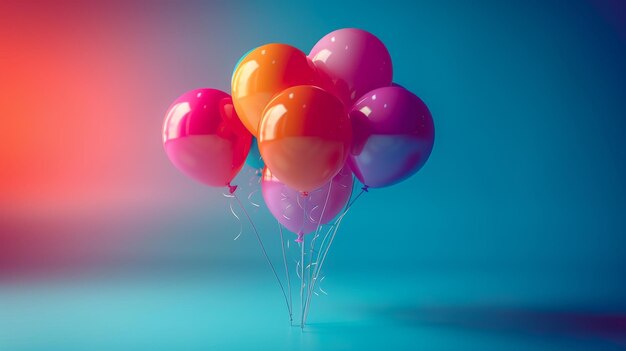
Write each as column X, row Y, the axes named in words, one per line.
column 305, row 137
column 264, row 72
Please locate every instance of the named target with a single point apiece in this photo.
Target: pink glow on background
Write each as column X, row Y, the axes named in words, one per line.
column 81, row 114
column 83, row 92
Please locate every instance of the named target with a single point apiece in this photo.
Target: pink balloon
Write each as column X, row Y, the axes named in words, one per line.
column 355, row 60
column 288, row 205
column 204, row 138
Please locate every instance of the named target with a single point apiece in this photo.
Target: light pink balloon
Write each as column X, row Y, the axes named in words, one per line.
column 288, row 205
column 355, row 60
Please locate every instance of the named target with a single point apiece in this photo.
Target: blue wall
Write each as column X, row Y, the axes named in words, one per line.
column 529, row 103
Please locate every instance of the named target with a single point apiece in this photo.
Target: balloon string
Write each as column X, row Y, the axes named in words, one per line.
column 230, row 204
column 298, row 269
column 302, row 243
column 322, row 290
column 302, row 283
column 321, row 264
column 282, row 244
column 364, row 189
column 232, row 210
column 332, row 238
column 250, row 198
column 319, row 253
column 317, row 230
column 256, row 232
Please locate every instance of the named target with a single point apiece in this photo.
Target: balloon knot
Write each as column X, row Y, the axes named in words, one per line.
column 365, row 188
column 305, row 193
column 231, row 188
column 300, row 237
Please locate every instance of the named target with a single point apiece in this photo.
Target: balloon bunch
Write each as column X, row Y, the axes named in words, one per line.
column 307, row 124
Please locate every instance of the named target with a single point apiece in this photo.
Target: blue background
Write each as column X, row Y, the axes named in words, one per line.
column 513, row 235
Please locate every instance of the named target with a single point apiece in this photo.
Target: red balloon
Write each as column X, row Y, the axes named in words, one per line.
column 204, row 138
column 305, row 137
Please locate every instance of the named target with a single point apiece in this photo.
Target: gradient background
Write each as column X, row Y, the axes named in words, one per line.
column 513, row 236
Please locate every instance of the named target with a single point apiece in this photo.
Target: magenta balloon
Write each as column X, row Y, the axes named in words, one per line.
column 204, row 138
column 356, row 60
column 288, row 205
column 393, row 136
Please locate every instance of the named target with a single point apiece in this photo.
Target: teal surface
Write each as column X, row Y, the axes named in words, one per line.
column 512, row 237
column 425, row 309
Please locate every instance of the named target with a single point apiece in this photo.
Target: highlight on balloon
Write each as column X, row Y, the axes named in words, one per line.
column 314, row 128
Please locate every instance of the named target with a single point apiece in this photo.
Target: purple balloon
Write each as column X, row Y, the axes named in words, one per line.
column 355, row 60
column 288, row 205
column 393, row 135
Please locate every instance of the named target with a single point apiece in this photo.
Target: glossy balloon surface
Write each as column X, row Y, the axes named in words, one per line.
column 204, row 138
column 393, row 136
column 356, row 60
column 305, row 137
column 264, row 72
column 288, row 205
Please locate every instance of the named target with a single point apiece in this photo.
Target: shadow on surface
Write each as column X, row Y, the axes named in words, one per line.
column 551, row 323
